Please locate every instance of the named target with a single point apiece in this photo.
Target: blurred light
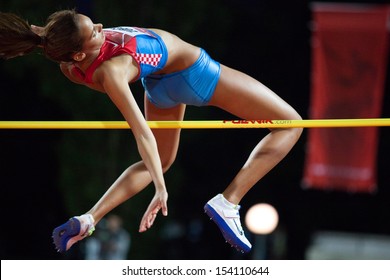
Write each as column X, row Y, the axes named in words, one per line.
column 262, row 218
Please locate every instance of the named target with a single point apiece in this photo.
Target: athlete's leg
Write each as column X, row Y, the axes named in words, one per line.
column 132, row 181
column 247, row 98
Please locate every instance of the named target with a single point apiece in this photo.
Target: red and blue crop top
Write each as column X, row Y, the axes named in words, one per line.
column 145, row 47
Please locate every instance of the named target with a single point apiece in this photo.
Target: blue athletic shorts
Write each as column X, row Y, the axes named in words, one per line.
column 192, row 86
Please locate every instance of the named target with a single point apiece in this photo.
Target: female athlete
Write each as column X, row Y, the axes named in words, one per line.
column 174, row 74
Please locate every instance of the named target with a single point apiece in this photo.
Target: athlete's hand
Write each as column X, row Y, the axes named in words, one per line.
column 159, row 202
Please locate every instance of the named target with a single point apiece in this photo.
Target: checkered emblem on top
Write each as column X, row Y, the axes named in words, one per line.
column 150, row 59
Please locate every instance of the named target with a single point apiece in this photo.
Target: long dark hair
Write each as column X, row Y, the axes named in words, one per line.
column 16, row 36
column 60, row 40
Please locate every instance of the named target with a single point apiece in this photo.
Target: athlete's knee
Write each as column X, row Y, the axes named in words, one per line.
column 296, row 131
column 167, row 162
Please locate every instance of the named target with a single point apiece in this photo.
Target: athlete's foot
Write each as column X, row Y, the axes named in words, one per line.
column 72, row 231
column 227, row 218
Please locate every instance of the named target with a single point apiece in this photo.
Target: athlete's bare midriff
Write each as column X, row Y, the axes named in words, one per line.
column 181, row 54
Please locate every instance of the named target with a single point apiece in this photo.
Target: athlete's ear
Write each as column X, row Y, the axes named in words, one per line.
column 79, row 56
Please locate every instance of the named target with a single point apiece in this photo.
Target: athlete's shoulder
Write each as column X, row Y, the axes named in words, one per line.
column 123, row 66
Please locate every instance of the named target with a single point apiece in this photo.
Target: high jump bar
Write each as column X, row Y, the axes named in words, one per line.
column 202, row 124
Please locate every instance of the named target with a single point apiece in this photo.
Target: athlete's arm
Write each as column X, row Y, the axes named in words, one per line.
column 114, row 78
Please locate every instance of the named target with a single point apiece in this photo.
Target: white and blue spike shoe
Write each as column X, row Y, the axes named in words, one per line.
column 227, row 218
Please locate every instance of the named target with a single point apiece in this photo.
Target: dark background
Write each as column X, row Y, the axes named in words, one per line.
column 48, row 176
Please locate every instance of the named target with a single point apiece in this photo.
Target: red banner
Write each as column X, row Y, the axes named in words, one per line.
column 349, row 59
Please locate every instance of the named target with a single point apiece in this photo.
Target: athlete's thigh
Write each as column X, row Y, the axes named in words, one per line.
column 247, row 98
column 167, row 139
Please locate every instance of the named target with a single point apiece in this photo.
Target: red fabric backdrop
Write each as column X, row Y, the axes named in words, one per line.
column 349, row 59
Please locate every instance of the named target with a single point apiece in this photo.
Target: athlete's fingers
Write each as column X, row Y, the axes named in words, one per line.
column 148, row 220
column 143, row 226
column 164, row 208
column 152, row 218
column 144, row 223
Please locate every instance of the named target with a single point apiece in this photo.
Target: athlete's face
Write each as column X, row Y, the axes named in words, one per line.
column 91, row 33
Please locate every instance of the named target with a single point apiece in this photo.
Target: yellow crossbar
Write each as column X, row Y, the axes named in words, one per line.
column 319, row 123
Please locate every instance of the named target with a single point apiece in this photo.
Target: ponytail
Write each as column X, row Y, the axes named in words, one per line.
column 16, row 36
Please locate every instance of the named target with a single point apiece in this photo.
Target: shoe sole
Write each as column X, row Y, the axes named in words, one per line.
column 63, row 233
column 227, row 233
